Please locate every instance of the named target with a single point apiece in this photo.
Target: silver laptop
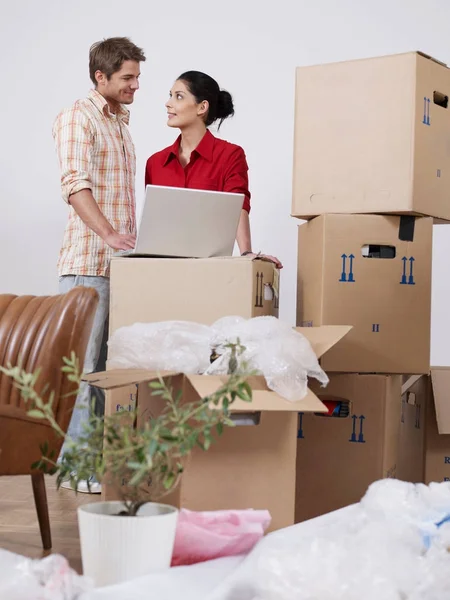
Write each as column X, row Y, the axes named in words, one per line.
column 187, row 223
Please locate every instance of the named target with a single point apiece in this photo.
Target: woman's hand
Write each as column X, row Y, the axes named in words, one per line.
column 268, row 257
column 273, row 259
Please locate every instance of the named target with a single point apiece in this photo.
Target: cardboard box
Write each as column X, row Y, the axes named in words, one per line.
column 425, row 428
column 145, row 290
column 248, row 466
column 372, row 272
column 339, row 457
column 411, row 462
column 191, row 289
column 371, row 137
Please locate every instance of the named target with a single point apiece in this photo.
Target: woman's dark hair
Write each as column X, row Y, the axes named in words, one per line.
column 204, row 87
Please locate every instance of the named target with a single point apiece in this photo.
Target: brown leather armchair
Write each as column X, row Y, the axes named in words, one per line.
column 39, row 331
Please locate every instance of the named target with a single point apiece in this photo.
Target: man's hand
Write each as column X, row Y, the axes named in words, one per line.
column 89, row 212
column 120, row 241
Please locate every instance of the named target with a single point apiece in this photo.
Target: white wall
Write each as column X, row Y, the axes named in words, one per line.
column 252, row 51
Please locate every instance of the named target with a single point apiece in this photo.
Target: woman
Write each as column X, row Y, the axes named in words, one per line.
column 197, row 159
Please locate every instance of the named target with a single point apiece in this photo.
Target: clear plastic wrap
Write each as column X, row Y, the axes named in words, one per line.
column 272, row 348
column 50, row 578
column 376, row 550
column 162, row 346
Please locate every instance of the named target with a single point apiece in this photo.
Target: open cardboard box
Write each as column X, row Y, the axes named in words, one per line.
column 340, row 456
column 425, row 427
column 247, row 466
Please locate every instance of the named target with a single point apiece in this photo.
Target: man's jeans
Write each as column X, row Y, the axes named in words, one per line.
column 95, row 359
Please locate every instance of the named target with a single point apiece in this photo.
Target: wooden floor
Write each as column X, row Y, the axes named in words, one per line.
column 19, row 529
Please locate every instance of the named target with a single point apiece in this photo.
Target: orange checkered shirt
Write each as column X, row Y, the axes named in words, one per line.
column 95, row 152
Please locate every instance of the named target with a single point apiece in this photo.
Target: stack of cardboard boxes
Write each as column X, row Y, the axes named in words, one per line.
column 371, row 174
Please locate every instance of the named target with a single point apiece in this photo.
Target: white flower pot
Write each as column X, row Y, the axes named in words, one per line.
column 118, row 548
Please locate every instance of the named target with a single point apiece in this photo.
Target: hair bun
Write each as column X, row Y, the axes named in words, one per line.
column 225, row 106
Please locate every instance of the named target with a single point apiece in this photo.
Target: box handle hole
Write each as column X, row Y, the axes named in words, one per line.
column 378, row 251
column 337, row 408
column 440, row 99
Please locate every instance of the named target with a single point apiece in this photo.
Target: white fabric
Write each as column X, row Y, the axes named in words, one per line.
column 211, row 580
column 392, row 545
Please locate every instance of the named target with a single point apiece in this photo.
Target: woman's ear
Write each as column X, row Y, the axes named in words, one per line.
column 203, row 108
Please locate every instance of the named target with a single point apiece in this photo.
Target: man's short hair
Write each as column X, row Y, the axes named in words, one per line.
column 109, row 55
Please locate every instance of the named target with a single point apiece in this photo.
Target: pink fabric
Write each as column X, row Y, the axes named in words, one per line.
column 204, row 536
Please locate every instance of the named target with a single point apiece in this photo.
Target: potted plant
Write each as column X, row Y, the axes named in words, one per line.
column 135, row 535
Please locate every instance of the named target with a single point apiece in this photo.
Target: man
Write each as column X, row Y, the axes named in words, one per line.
column 98, row 165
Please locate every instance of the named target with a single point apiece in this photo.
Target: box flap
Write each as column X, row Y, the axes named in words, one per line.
column 115, row 378
column 324, row 337
column 407, row 385
column 262, row 398
column 440, row 380
column 439, row 62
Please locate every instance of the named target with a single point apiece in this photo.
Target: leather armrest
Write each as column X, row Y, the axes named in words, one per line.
column 21, row 438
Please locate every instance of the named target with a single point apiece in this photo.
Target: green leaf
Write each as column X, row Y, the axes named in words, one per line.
column 169, row 480
column 156, row 385
column 168, row 436
column 153, row 447
column 134, row 465
column 219, row 428
column 137, row 478
column 39, row 403
column 245, row 392
column 36, row 414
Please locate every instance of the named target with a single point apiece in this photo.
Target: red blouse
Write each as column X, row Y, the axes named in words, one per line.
column 214, row 165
